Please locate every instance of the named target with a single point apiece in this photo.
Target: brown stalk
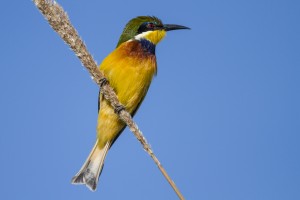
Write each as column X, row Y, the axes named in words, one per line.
column 60, row 22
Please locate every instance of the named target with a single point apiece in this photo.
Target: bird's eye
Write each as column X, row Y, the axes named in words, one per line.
column 150, row 26
column 146, row 26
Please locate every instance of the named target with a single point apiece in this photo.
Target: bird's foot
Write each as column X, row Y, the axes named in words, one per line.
column 119, row 108
column 102, row 82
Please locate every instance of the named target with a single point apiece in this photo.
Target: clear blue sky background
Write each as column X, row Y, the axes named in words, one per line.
column 223, row 114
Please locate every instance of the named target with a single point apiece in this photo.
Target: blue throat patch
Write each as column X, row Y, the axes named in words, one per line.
column 148, row 46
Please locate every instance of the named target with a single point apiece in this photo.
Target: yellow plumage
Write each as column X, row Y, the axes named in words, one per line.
column 129, row 70
column 155, row 36
column 130, row 75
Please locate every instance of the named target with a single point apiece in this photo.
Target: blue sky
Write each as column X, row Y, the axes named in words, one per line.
column 223, row 114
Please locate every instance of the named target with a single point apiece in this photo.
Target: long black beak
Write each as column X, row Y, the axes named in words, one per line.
column 171, row 27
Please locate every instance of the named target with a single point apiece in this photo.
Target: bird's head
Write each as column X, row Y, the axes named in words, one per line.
column 146, row 27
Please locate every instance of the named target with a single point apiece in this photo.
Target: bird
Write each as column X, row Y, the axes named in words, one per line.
column 129, row 69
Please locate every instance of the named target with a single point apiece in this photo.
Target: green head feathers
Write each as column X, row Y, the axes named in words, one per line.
column 132, row 27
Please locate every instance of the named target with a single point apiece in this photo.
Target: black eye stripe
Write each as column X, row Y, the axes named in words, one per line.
column 146, row 26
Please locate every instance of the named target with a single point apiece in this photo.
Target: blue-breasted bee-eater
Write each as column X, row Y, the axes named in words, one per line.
column 129, row 69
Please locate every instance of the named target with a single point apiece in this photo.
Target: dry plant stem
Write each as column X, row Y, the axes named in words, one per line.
column 60, row 22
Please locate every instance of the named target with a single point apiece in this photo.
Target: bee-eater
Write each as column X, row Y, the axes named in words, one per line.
column 129, row 69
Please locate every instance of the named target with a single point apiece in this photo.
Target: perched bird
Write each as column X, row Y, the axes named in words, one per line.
column 129, row 69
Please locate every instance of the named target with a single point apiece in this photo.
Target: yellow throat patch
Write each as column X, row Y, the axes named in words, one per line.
column 153, row 36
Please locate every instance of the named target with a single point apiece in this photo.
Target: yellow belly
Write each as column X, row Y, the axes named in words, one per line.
column 130, row 75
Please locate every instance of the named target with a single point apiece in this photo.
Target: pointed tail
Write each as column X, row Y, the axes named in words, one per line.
column 91, row 169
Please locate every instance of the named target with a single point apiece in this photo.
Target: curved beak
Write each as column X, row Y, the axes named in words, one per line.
column 171, row 27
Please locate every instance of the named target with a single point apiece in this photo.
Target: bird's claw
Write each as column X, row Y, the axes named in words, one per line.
column 102, row 82
column 119, row 108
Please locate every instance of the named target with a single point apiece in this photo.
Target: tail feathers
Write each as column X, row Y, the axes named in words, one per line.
column 91, row 169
